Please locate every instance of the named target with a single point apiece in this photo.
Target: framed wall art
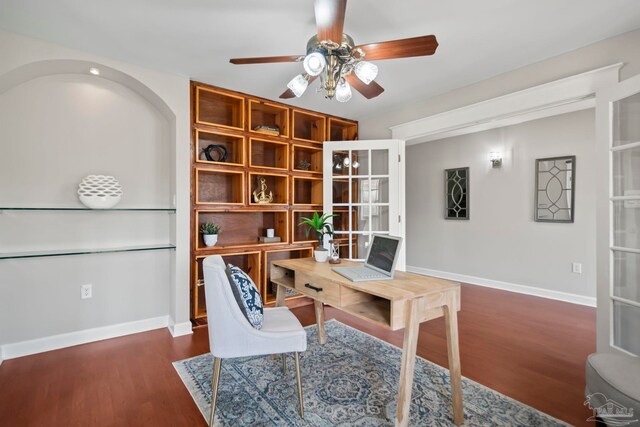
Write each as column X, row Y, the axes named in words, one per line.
column 456, row 187
column 555, row 189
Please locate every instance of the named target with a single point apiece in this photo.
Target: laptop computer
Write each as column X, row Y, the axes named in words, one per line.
column 380, row 262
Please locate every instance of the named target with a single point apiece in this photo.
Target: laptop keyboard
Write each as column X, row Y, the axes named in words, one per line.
column 362, row 273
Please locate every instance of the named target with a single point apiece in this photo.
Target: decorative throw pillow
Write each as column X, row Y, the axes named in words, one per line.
column 246, row 294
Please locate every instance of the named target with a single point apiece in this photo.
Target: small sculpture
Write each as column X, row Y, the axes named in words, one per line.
column 261, row 197
column 304, row 164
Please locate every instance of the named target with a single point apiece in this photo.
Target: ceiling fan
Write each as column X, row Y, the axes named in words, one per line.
column 340, row 64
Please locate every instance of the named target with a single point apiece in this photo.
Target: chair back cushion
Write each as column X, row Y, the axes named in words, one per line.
column 246, row 294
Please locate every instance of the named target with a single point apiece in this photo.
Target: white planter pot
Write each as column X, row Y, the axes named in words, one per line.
column 321, row 255
column 210, row 239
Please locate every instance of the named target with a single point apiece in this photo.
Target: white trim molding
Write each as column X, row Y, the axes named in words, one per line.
column 179, row 329
column 566, row 95
column 505, row 286
column 55, row 342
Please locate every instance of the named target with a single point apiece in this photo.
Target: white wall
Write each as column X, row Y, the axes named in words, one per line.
column 623, row 48
column 501, row 244
column 58, row 124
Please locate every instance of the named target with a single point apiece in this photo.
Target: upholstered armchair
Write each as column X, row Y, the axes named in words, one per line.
column 231, row 335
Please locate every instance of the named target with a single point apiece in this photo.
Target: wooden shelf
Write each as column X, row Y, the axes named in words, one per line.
column 308, row 127
column 307, row 191
column 217, row 108
column 232, row 145
column 263, row 113
column 219, row 187
column 268, row 154
column 249, row 262
column 308, row 157
column 277, row 185
column 291, row 163
column 342, row 130
column 242, row 228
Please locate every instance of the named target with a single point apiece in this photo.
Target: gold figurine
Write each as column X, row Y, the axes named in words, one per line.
column 261, row 197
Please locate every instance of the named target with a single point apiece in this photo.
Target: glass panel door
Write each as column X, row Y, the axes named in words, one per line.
column 362, row 188
column 623, row 299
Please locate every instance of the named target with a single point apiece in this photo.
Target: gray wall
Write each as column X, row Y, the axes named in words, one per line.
column 501, row 241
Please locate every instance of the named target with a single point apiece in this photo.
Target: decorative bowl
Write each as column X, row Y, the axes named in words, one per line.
column 99, row 191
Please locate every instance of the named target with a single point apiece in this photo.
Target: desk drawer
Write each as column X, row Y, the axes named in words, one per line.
column 318, row 288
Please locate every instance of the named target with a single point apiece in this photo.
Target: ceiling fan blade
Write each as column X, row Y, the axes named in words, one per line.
column 369, row 91
column 289, row 93
column 330, row 19
column 405, row 48
column 265, row 59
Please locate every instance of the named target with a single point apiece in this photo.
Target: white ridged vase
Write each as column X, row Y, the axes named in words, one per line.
column 99, row 191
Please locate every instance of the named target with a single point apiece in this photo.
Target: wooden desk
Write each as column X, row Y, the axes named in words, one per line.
column 404, row 302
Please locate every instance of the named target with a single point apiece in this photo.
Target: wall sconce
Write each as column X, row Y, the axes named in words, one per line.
column 496, row 159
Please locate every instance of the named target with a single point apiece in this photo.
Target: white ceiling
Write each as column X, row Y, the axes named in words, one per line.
column 196, row 38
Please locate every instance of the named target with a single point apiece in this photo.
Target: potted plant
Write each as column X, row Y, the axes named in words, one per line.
column 321, row 226
column 210, row 232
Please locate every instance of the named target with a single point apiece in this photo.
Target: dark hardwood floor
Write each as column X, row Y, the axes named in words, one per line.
column 528, row 348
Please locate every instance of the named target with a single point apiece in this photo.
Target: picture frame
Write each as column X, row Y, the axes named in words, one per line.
column 554, row 195
column 456, row 190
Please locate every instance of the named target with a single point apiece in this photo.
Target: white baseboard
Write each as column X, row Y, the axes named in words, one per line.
column 179, row 329
column 39, row 345
column 512, row 287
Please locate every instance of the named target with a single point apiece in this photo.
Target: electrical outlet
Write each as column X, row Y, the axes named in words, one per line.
column 576, row 267
column 86, row 291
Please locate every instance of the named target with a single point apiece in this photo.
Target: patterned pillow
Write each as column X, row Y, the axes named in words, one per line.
column 246, row 294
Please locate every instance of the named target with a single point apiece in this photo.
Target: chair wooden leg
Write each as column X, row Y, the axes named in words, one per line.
column 215, row 379
column 284, row 363
column 299, row 379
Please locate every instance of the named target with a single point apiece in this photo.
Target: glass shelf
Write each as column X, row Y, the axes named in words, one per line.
column 65, row 252
column 83, row 208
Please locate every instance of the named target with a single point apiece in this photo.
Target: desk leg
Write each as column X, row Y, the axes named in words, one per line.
column 451, row 324
column 411, row 329
column 281, row 292
column 322, row 336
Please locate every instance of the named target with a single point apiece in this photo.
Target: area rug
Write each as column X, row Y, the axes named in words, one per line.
column 352, row 380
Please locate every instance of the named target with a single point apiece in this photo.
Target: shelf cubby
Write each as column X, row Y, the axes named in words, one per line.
column 219, row 187
column 266, row 114
column 309, row 157
column 249, row 262
column 269, row 289
column 277, row 185
column 242, row 228
column 342, row 130
column 299, row 232
column 307, row 191
column 216, row 108
column 233, row 146
column 268, row 154
column 308, row 127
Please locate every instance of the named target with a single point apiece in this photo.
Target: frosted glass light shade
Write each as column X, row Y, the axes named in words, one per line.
column 366, row 71
column 298, row 85
column 314, row 63
column 343, row 91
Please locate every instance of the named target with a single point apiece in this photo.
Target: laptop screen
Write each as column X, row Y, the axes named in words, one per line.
column 382, row 253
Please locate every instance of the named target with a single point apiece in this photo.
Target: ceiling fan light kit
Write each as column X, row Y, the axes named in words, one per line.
column 333, row 57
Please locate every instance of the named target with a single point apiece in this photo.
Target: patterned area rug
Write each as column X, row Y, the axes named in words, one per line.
column 352, row 380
